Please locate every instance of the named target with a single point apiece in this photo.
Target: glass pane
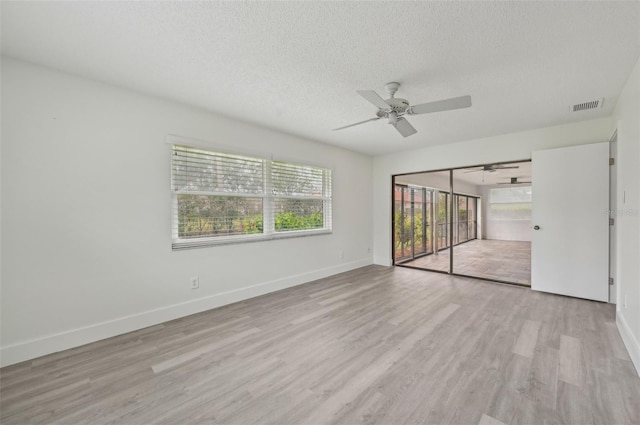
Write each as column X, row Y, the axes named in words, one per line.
column 402, row 223
column 206, row 216
column 471, row 218
column 397, row 222
column 407, row 234
column 442, row 223
column 462, row 219
column 419, row 240
column 298, row 214
column 429, row 220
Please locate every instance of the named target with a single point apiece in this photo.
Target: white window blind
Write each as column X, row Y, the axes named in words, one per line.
column 226, row 198
column 301, row 197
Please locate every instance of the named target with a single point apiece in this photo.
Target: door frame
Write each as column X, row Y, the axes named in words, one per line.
column 613, row 209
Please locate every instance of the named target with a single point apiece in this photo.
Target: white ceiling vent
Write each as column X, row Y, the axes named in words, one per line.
column 592, row 104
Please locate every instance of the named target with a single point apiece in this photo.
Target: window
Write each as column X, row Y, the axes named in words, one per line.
column 224, row 198
column 511, row 203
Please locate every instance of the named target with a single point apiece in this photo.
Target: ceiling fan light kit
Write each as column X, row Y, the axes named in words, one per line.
column 394, row 108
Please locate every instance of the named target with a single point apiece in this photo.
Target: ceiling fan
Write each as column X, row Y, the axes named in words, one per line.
column 493, row 167
column 514, row 180
column 394, row 108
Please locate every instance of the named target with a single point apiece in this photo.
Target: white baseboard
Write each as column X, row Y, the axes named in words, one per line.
column 382, row 261
column 629, row 340
column 31, row 349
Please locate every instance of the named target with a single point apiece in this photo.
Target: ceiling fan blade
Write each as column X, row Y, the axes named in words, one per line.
column 441, row 105
column 504, row 167
column 403, row 126
column 358, row 123
column 374, row 98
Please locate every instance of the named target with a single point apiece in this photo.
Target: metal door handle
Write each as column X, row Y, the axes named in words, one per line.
column 536, row 227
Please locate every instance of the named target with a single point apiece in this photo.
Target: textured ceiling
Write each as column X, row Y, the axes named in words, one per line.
column 295, row 66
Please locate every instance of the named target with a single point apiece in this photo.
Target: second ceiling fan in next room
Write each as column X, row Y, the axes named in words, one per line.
column 394, row 108
column 514, row 180
column 493, row 167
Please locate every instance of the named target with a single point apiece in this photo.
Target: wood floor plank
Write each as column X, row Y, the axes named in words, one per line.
column 377, row 345
column 488, row 420
column 195, row 353
column 329, row 408
column 509, row 398
column 532, row 413
column 435, row 371
column 543, row 382
column 574, row 406
column 570, row 369
column 527, row 339
column 617, row 400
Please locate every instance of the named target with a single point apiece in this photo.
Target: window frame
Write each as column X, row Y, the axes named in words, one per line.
column 268, row 200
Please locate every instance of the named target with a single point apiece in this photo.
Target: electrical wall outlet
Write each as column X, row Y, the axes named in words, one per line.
column 624, row 301
column 195, row 282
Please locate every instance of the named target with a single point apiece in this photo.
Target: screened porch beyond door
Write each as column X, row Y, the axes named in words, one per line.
column 489, row 259
column 422, row 223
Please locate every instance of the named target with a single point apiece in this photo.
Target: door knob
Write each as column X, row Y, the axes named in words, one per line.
column 536, row 227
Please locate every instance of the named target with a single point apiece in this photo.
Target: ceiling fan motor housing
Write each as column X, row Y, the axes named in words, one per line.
column 398, row 104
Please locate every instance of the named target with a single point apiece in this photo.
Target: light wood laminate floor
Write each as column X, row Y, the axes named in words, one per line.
column 508, row 261
column 377, row 345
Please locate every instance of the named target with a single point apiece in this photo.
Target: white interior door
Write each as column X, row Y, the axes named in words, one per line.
column 570, row 240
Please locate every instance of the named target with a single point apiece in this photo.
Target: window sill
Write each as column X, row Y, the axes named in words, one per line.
column 178, row 245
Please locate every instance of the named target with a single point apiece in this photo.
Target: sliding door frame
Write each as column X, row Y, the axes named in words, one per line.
column 450, row 213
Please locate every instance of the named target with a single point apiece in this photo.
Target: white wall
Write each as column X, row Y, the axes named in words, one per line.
column 626, row 118
column 504, row 148
column 86, row 243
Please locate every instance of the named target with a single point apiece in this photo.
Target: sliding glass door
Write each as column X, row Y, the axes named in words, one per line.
column 456, row 221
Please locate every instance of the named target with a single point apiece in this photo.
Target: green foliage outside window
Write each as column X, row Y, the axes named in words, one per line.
column 403, row 233
column 287, row 221
column 205, row 216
